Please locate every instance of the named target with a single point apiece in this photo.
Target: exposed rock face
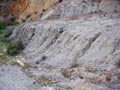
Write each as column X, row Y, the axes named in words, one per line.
column 17, row 7
column 93, row 42
column 29, row 10
column 78, row 50
column 75, row 8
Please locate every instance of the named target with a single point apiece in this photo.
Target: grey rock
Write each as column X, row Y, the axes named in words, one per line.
column 90, row 41
column 19, row 34
column 93, row 42
column 76, row 8
column 13, row 78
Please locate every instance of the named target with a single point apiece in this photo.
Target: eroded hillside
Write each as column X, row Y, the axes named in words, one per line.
column 71, row 45
column 30, row 10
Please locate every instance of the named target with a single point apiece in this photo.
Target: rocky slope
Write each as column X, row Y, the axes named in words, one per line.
column 76, row 8
column 93, row 42
column 29, row 10
column 59, row 45
column 73, row 45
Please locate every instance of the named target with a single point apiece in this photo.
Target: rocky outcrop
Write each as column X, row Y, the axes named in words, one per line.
column 91, row 6
column 17, row 7
column 93, row 42
column 74, row 45
column 73, row 54
column 75, row 8
column 30, row 10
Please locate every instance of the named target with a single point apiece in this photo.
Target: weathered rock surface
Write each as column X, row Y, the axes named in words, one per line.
column 93, row 42
column 68, row 54
column 29, row 10
column 13, row 78
column 78, row 50
column 76, row 8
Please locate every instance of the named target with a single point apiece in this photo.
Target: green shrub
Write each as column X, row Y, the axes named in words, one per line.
column 3, row 25
column 3, row 57
column 13, row 49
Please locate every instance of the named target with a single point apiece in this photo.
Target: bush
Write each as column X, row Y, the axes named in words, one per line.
column 3, row 25
column 14, row 49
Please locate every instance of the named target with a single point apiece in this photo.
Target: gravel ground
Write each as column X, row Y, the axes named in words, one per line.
column 13, row 78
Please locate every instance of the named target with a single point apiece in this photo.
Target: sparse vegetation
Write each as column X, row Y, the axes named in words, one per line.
column 3, row 59
column 66, row 73
column 74, row 65
column 31, row 75
column 3, row 48
column 15, row 63
column 44, row 81
column 4, row 45
column 118, row 75
column 81, row 77
column 14, row 49
column 94, row 81
column 65, row 88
